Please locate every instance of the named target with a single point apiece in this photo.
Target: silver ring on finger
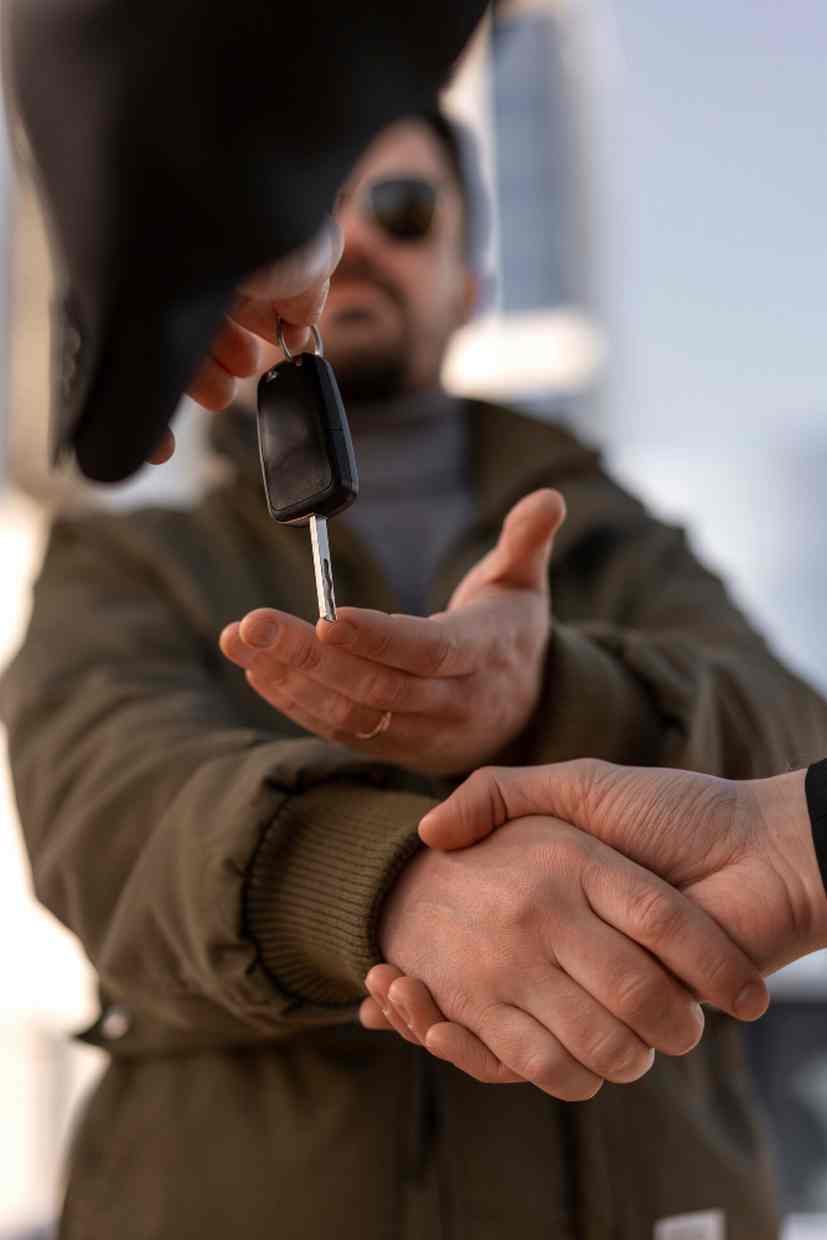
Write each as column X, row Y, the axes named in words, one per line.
column 382, row 726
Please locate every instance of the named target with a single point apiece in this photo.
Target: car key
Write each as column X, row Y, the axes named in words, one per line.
column 306, row 452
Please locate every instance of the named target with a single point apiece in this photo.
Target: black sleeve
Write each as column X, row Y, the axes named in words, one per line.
column 178, row 146
column 815, row 787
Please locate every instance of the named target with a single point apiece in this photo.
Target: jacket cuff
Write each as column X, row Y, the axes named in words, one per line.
column 317, row 883
column 592, row 704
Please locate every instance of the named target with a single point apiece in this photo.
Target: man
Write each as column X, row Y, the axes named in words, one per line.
column 236, row 852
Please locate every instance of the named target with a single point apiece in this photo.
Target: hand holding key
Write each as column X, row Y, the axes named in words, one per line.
column 459, row 685
column 294, row 289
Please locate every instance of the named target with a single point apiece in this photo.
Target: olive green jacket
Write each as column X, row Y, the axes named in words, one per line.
column 224, row 871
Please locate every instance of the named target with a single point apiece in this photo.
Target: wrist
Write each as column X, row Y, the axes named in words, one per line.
column 401, row 905
column 788, row 838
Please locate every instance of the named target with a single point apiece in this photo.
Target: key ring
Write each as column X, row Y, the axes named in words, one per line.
column 317, row 340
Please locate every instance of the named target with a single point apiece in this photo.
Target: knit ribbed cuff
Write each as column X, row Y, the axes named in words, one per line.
column 318, row 882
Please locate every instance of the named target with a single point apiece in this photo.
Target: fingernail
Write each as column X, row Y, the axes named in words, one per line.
column 641, row 1071
column 751, row 1002
column 698, row 1013
column 262, row 633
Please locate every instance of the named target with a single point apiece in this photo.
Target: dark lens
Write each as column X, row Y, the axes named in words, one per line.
column 403, row 206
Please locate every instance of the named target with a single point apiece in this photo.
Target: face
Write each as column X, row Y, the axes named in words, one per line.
column 394, row 304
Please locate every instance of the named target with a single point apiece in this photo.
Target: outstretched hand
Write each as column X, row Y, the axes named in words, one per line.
column 460, row 684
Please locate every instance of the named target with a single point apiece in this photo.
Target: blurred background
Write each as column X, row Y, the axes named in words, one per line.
column 660, row 189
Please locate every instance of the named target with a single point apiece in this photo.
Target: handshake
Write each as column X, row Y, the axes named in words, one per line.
column 565, row 920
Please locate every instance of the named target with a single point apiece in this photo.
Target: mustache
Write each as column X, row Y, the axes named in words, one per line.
column 363, row 269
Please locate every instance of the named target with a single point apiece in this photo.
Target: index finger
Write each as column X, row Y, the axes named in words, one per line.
column 680, row 934
column 424, row 646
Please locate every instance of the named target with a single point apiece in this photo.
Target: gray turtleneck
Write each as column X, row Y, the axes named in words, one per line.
column 415, row 492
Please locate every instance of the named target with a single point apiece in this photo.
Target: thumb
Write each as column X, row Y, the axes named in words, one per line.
column 490, row 797
column 522, row 554
column 521, row 557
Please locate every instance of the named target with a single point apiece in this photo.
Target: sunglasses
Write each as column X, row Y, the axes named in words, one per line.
column 402, row 207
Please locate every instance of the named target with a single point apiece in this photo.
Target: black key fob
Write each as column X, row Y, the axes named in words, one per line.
column 304, row 441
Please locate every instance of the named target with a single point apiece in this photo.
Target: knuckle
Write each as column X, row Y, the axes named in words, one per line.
column 443, row 651
column 543, row 1066
column 383, row 692
column 636, row 995
column 614, row 1053
column 720, row 973
column 557, row 1075
column 656, row 914
column 379, row 644
column 306, row 657
column 461, row 1008
column 340, row 713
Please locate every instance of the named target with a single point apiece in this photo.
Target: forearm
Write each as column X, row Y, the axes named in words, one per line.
column 150, row 828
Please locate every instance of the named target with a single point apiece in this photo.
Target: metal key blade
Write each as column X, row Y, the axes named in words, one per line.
column 323, row 568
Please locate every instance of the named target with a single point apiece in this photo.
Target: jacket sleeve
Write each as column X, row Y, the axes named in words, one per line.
column 651, row 663
column 214, row 873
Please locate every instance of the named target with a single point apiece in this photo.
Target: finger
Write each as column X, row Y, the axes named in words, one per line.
column 371, row 1016
column 458, row 1046
column 324, row 713
column 490, row 797
column 339, row 715
column 293, row 290
column 377, row 983
column 609, row 1001
column 235, row 349
column 261, row 318
column 380, row 979
column 212, row 386
column 288, row 640
column 530, row 1051
column 281, row 701
column 424, row 646
column 304, row 268
column 411, row 999
column 521, row 557
column 682, row 936
column 233, row 648
column 472, row 811
column 165, row 449
column 525, row 544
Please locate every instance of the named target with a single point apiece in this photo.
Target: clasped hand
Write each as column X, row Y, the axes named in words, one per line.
column 739, row 854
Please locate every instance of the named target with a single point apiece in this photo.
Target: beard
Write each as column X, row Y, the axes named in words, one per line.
column 369, row 371
column 371, row 376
